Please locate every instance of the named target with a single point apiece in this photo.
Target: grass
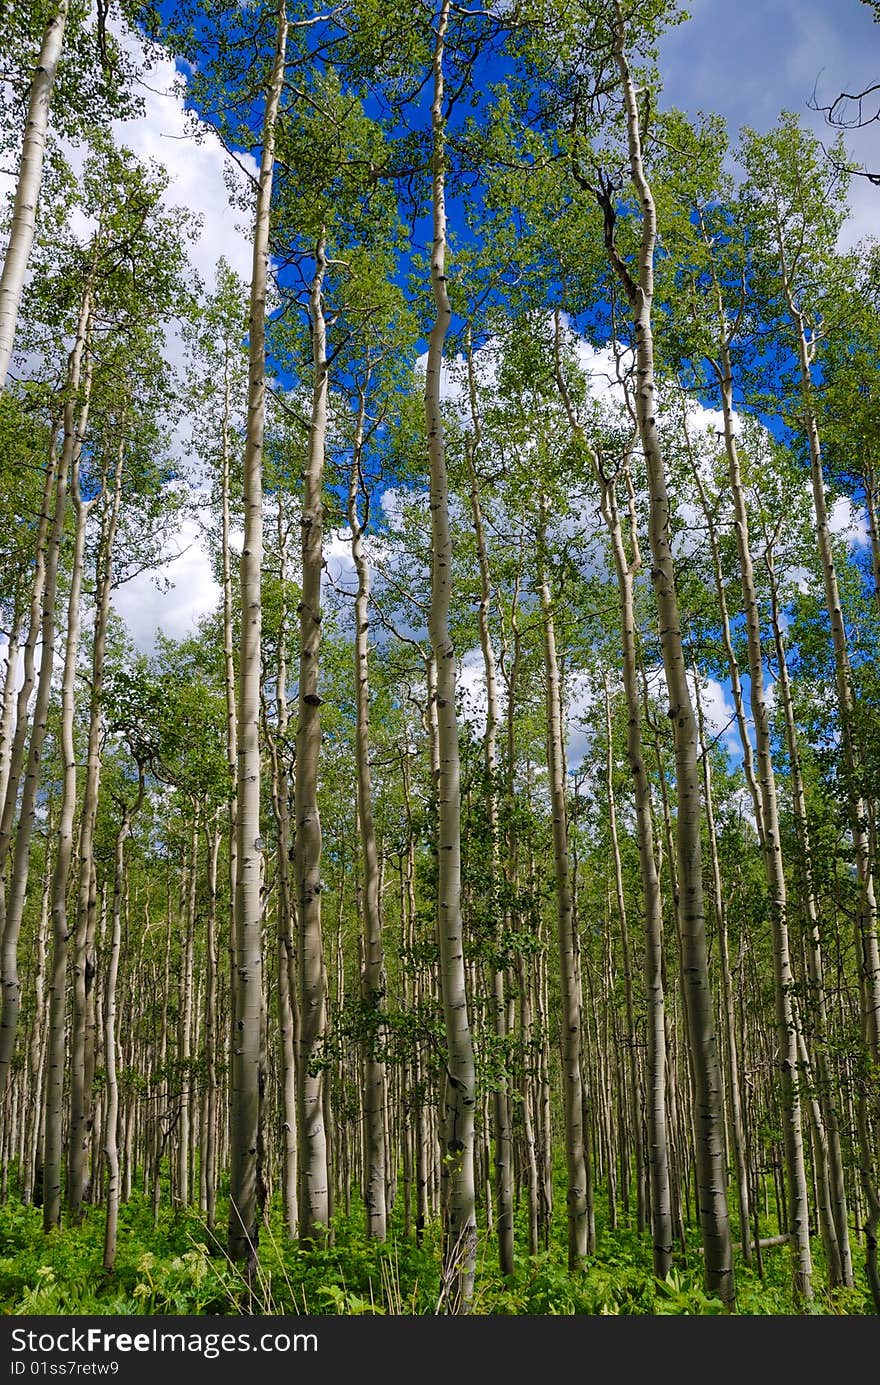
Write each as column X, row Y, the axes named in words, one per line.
column 176, row 1267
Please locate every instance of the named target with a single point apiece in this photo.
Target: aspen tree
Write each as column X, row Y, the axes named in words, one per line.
column 841, row 1263
column 458, row 1117
column 288, row 1006
column 786, row 1023
column 639, row 290
column 110, row 1040
column 247, row 1077
column 626, row 566
column 212, row 1031
column 222, row 371
column 573, row 1094
column 53, row 1156
column 501, row 1098
column 84, row 1036
column 314, row 1194
column 797, row 215
column 13, row 909
column 373, row 983
column 27, row 189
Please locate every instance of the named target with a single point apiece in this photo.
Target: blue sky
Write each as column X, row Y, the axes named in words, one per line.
column 744, row 59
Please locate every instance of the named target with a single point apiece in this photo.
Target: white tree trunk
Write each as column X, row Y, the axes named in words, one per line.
column 705, row 1067
column 572, row 1081
column 54, row 1152
column 83, row 1027
column 12, row 917
column 373, row 976
column 786, row 1023
column 503, row 1152
column 27, row 191
column 247, row 1076
column 314, row 1171
column 458, row 1121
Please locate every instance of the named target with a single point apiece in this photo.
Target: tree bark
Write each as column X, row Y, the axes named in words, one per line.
column 247, row 1077
column 503, row 1151
column 27, row 190
column 573, row 1093
column 373, row 974
column 11, row 998
column 83, row 1041
column 818, row 1010
column 786, row 1023
column 708, row 1104
column 288, row 1008
column 626, row 570
column 111, row 1118
column 314, row 1166
column 54, row 1154
column 460, row 1095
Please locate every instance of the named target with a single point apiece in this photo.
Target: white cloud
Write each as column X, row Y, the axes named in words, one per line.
column 472, row 690
column 579, row 714
column 188, row 591
column 719, row 715
column 849, row 521
column 339, row 570
column 197, row 169
column 453, row 383
column 182, row 589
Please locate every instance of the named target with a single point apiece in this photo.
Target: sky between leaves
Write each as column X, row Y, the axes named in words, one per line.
column 745, row 60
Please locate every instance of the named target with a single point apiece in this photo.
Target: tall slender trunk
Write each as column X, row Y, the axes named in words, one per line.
column 111, row 1116
column 288, row 1008
column 209, row 1134
column 512, row 645
column 708, row 1103
column 7, row 707
column 27, row 190
column 503, row 1151
column 658, row 1138
column 83, row 1028
column 727, row 1002
column 230, row 694
column 458, row 1123
column 54, row 1153
column 34, row 1130
column 314, row 1170
column 786, row 1024
column 14, row 905
column 867, row 923
column 626, row 569
column 573, row 1093
column 185, row 1016
column 818, row 1010
column 629, row 1010
column 247, row 1077
column 373, row 979
column 866, row 941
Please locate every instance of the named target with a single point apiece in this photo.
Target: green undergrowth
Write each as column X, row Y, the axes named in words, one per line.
column 176, row 1267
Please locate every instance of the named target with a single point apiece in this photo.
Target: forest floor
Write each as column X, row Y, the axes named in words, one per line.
column 175, row 1266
